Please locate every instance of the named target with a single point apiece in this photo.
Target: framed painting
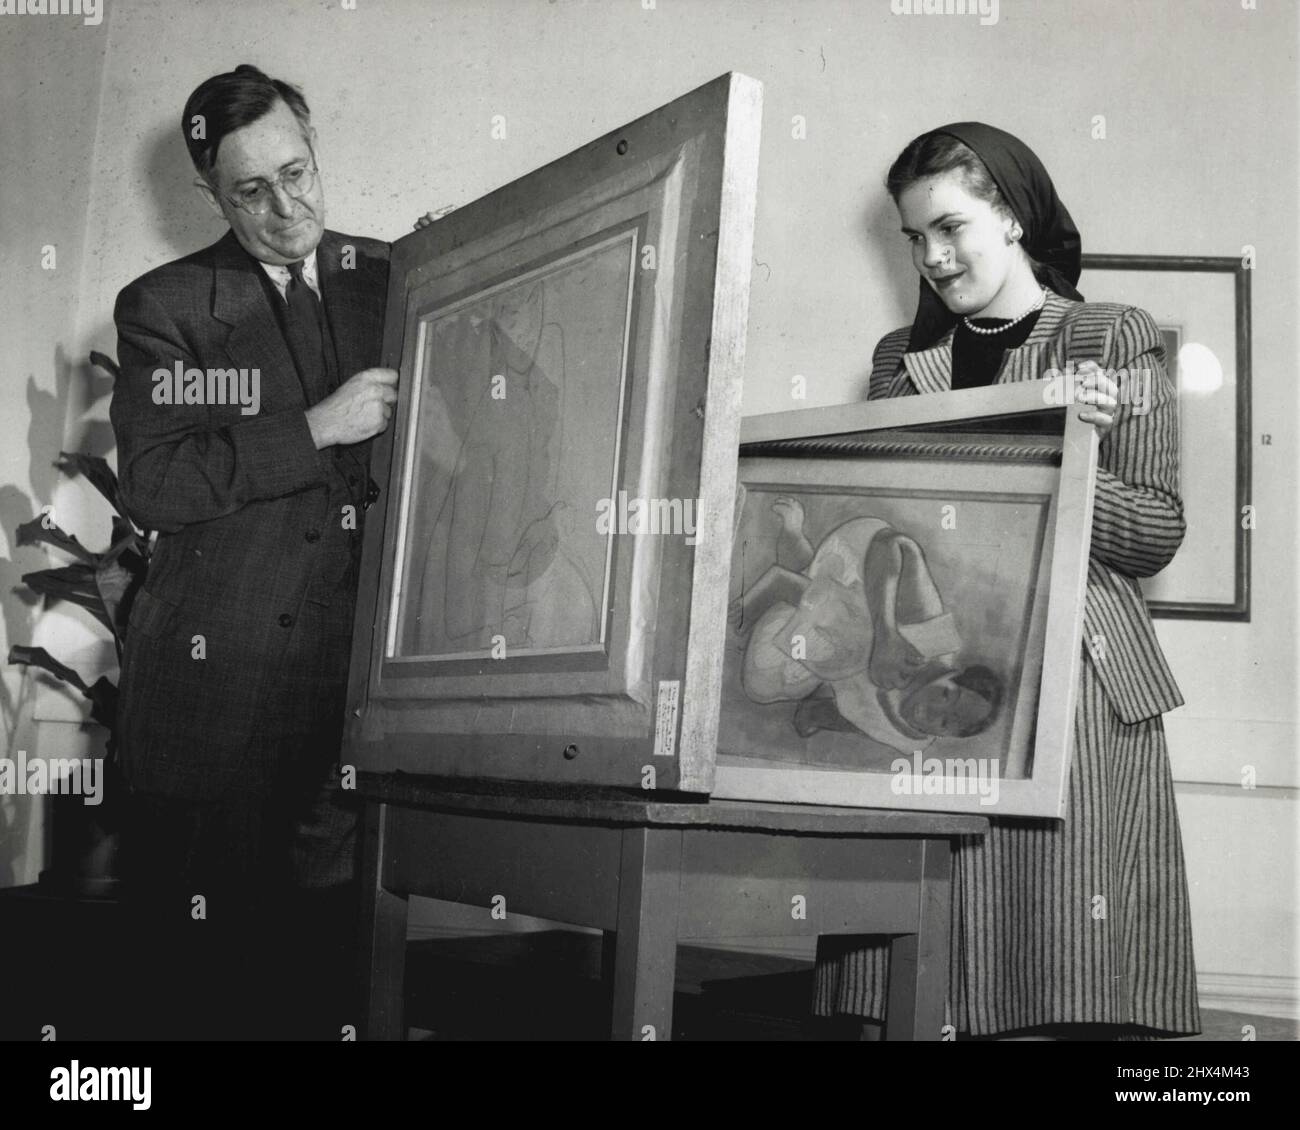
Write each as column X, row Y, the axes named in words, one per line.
column 1202, row 306
column 544, row 577
column 906, row 604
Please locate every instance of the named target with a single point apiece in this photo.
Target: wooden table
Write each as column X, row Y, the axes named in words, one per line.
column 649, row 871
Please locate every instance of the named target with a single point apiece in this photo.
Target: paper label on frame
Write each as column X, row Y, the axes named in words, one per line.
column 666, row 711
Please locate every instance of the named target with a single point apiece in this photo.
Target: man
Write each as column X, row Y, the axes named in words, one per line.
column 247, row 398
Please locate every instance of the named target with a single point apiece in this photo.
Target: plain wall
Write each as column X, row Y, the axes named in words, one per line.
column 50, row 82
column 1199, row 158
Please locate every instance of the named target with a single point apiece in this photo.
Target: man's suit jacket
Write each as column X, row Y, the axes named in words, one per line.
column 239, row 501
column 1138, row 514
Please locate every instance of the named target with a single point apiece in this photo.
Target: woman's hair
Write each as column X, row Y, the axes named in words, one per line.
column 988, row 686
column 932, row 155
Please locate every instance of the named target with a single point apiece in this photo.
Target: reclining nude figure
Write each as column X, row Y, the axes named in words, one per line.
column 856, row 632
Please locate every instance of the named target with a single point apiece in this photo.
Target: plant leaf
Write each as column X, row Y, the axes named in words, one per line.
column 39, row 657
column 103, row 705
column 96, row 470
column 36, row 532
column 121, row 529
column 114, row 582
column 106, row 363
column 76, row 584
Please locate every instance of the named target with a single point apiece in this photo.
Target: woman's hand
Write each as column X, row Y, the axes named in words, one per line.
column 1099, row 396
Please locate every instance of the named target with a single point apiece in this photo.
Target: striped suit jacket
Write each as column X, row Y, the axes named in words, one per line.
column 1138, row 514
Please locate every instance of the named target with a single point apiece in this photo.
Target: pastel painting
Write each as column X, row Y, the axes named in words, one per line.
column 865, row 625
column 517, row 441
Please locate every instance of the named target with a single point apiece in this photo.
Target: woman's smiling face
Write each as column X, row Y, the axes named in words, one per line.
column 960, row 245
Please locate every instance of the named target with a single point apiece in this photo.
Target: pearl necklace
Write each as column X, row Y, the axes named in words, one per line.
column 988, row 331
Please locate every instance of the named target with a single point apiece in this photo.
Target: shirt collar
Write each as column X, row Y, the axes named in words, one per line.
column 280, row 274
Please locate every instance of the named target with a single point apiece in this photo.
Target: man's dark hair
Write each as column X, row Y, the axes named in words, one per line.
column 230, row 101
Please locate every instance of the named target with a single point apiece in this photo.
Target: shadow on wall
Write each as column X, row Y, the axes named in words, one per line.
column 181, row 224
column 179, row 215
column 20, row 608
column 882, row 242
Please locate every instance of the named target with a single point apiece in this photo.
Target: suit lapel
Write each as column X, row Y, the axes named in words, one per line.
column 348, row 304
column 931, row 369
column 255, row 340
column 1042, row 348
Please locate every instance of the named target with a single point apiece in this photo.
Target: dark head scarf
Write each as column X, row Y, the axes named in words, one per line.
column 1049, row 236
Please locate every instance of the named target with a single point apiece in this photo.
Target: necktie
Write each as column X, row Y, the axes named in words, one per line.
column 306, row 334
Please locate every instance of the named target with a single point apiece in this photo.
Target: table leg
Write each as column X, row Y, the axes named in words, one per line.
column 608, row 952
column 918, row 963
column 383, row 934
column 645, row 948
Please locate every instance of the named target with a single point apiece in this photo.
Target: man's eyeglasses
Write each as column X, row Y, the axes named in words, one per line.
column 296, row 181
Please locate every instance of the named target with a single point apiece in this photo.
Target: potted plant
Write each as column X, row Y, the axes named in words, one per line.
column 104, row 583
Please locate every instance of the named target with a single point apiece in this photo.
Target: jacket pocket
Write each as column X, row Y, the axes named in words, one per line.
column 150, row 615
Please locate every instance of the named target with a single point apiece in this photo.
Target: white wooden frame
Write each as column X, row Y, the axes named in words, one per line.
column 836, row 432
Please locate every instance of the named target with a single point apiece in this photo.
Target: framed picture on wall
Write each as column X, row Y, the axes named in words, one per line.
column 1202, row 306
column 906, row 602
column 544, row 577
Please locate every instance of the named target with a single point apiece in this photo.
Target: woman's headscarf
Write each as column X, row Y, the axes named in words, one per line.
column 1049, row 236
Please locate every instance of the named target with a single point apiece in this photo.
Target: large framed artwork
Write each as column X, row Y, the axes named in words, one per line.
column 544, row 578
column 906, row 603
column 1202, row 306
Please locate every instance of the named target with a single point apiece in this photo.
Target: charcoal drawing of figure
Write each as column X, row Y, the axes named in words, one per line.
column 496, row 567
column 855, row 631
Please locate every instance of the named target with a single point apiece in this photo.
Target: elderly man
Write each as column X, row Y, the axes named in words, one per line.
column 247, row 398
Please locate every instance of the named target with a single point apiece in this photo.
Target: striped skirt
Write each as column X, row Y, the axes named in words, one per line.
column 1084, row 921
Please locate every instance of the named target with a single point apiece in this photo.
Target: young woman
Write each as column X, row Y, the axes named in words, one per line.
column 1077, row 928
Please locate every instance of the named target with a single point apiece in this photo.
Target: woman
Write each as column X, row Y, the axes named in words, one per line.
column 1077, row 928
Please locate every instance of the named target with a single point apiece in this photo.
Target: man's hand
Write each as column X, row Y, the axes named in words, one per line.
column 355, row 411
column 428, row 218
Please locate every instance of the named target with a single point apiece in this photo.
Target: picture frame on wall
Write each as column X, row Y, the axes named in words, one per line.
column 544, row 575
column 906, row 602
column 1202, row 307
